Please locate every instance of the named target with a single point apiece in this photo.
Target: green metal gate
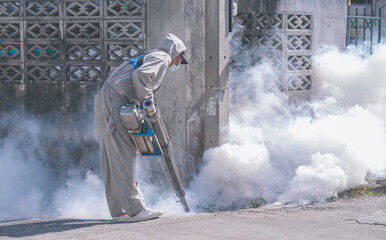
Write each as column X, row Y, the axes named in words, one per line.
column 362, row 28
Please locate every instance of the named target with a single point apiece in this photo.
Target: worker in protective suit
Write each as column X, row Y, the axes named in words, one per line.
column 131, row 82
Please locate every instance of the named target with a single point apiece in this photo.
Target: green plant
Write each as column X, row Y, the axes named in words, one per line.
column 362, row 190
column 332, row 199
column 258, row 202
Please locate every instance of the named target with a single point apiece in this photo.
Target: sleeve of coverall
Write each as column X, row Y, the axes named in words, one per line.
column 148, row 77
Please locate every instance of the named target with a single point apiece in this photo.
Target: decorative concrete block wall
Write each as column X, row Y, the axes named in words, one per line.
column 286, row 33
column 68, row 41
column 282, row 39
column 54, row 54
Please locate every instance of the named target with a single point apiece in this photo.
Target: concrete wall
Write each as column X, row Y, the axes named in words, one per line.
column 182, row 95
column 328, row 26
column 51, row 124
column 328, row 19
column 259, row 6
column 329, row 16
column 66, row 111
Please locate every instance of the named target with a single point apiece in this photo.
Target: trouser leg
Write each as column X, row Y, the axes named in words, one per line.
column 112, row 201
column 118, row 167
column 122, row 184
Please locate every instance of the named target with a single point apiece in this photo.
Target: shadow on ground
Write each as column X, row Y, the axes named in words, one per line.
column 32, row 228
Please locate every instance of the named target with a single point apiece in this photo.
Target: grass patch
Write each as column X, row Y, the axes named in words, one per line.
column 211, row 208
column 333, row 199
column 258, row 202
column 362, row 190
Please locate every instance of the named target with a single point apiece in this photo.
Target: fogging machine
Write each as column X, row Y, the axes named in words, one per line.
column 151, row 139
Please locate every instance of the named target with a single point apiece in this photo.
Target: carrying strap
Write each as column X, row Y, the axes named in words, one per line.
column 137, row 61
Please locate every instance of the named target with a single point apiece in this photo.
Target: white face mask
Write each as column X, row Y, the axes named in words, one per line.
column 174, row 68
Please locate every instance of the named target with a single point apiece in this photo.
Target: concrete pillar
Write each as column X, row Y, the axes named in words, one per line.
column 216, row 72
column 182, row 95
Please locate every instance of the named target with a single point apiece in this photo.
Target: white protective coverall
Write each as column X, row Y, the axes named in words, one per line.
column 118, row 152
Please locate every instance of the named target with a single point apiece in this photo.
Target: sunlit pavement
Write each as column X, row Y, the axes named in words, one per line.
column 357, row 218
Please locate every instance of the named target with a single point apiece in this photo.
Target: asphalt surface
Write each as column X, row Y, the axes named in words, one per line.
column 356, row 218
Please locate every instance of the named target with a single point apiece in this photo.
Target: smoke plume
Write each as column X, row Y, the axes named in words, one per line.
column 34, row 184
column 293, row 150
column 281, row 150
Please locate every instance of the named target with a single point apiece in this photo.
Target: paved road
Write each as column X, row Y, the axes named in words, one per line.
column 358, row 218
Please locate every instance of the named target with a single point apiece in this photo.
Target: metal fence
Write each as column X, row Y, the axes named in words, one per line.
column 284, row 40
column 362, row 28
column 68, row 40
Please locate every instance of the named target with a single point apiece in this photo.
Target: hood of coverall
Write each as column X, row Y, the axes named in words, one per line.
column 172, row 45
